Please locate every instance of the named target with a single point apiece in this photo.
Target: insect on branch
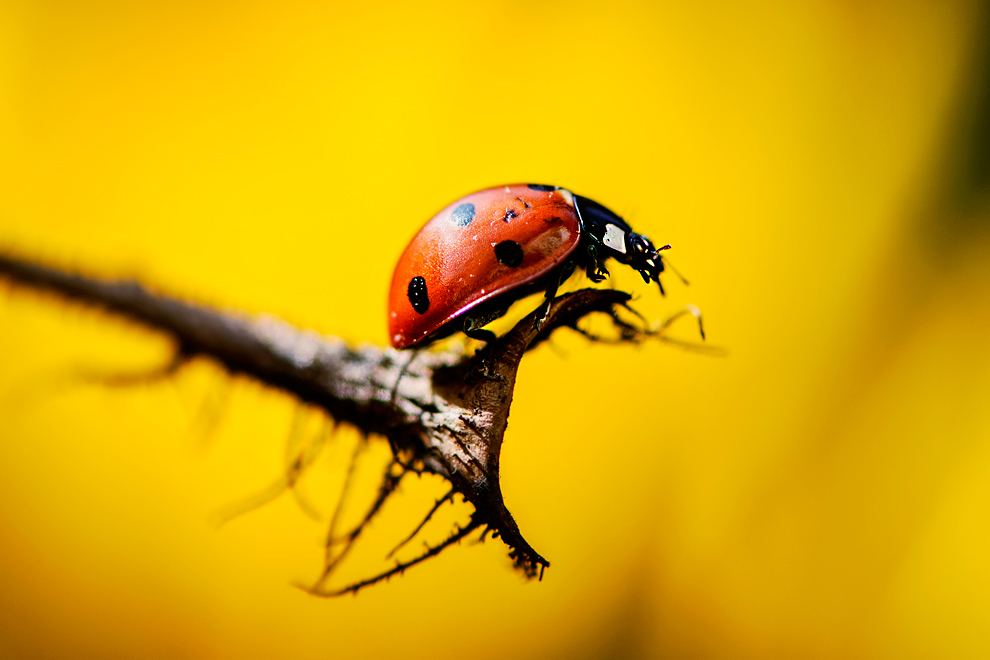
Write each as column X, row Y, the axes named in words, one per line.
column 442, row 413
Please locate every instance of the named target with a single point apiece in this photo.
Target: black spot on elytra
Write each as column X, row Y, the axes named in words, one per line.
column 509, row 215
column 528, row 205
column 509, row 253
column 463, row 215
column 417, row 294
column 540, row 187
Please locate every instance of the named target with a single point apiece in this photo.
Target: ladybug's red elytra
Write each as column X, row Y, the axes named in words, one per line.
column 482, row 253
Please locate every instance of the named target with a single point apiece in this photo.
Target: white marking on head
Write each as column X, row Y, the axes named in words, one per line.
column 567, row 195
column 615, row 238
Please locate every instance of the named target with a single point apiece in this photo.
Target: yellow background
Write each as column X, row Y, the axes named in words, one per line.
column 823, row 491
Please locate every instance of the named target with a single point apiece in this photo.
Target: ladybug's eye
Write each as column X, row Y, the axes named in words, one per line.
column 640, row 245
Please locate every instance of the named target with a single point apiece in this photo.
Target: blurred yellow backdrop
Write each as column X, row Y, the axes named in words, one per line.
column 821, row 492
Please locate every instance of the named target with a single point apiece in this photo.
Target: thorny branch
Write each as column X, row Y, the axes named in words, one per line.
column 442, row 413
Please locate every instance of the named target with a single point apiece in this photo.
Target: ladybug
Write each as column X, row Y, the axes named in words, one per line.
column 482, row 253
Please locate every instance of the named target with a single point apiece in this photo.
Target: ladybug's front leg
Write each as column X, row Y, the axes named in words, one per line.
column 595, row 269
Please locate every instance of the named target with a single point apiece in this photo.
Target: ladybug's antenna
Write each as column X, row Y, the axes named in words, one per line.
column 676, row 272
column 658, row 264
column 666, row 262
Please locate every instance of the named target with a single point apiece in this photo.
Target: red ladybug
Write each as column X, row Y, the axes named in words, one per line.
column 485, row 251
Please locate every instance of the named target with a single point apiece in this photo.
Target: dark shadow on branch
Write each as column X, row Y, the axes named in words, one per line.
column 442, row 413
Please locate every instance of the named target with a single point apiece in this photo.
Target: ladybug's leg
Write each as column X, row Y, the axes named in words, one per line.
column 473, row 329
column 549, row 295
column 595, row 269
column 478, row 318
column 486, row 336
column 544, row 309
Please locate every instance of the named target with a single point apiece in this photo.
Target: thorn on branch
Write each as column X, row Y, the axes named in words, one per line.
column 164, row 372
column 399, row 567
column 331, row 561
column 449, row 497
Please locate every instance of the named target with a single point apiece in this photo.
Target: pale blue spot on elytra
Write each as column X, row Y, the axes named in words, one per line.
column 463, row 215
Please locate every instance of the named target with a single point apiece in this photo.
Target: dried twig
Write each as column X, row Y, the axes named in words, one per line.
column 442, row 413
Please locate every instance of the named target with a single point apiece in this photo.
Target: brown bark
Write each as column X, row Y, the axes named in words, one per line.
column 442, row 413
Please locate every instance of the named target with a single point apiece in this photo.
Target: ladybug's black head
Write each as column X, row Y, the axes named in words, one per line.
column 612, row 237
column 645, row 258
